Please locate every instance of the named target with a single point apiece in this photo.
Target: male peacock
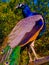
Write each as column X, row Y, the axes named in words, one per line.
column 27, row 12
column 25, row 31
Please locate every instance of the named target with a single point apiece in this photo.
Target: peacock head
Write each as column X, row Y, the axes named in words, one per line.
column 20, row 6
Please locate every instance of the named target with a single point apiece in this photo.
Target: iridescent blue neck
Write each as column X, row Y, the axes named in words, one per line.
column 27, row 12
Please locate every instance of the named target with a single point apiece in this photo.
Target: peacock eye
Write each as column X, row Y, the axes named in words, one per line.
column 6, row 62
column 2, row 52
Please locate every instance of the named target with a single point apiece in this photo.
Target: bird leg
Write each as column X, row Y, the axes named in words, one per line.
column 32, row 48
column 30, row 58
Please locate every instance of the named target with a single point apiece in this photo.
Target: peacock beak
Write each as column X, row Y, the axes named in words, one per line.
column 18, row 6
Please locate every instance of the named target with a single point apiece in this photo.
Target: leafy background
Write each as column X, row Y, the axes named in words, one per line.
column 9, row 16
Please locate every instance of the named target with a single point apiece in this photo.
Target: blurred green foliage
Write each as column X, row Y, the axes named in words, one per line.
column 9, row 16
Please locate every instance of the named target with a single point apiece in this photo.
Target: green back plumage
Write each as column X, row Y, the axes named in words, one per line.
column 15, row 56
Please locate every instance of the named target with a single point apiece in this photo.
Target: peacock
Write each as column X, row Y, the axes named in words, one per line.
column 26, row 30
column 27, row 12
